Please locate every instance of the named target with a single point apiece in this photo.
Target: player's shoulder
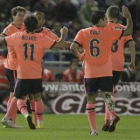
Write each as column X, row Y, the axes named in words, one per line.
column 115, row 25
column 40, row 36
column 46, row 30
column 86, row 29
column 16, row 35
column 7, row 29
column 83, row 31
column 10, row 25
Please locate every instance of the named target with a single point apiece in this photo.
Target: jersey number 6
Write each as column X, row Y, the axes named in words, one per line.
column 94, row 49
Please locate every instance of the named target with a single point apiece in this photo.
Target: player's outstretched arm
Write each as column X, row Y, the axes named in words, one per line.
column 129, row 27
column 2, row 43
column 59, row 44
column 66, row 45
column 75, row 50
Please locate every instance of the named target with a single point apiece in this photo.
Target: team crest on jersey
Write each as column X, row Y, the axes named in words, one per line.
column 5, row 30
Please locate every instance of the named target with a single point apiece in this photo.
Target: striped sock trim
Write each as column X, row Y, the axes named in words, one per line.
column 22, row 107
column 39, row 113
column 90, row 110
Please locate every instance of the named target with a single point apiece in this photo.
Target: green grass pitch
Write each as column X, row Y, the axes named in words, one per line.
column 72, row 127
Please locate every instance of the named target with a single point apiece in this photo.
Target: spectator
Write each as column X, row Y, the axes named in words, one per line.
column 2, row 26
column 48, row 8
column 85, row 12
column 78, row 3
column 47, row 75
column 76, row 26
column 101, row 4
column 5, row 9
column 134, row 9
column 66, row 12
column 138, row 44
column 137, row 36
column 56, row 29
column 72, row 74
column 113, row 2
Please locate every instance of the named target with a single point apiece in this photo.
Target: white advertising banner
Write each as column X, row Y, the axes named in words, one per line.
column 70, row 98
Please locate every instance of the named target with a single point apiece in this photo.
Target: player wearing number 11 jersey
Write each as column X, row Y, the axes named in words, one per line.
column 96, row 42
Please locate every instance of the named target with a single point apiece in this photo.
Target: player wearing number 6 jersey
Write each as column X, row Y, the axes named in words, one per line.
column 117, row 56
column 96, row 42
column 29, row 48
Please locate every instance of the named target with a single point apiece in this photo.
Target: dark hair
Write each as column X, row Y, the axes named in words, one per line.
column 30, row 23
column 113, row 12
column 16, row 9
column 97, row 15
column 40, row 13
column 73, row 60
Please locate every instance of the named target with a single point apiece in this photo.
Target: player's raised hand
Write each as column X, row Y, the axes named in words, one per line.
column 125, row 12
column 64, row 30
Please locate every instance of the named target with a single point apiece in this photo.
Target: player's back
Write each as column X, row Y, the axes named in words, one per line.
column 118, row 48
column 96, row 45
column 97, row 42
column 29, row 49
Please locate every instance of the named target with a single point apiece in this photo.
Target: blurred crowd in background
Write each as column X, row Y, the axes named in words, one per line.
column 74, row 14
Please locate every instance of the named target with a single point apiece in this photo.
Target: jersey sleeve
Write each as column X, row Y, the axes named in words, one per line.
column 10, row 40
column 79, row 38
column 128, row 38
column 6, row 32
column 48, row 42
column 116, row 33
